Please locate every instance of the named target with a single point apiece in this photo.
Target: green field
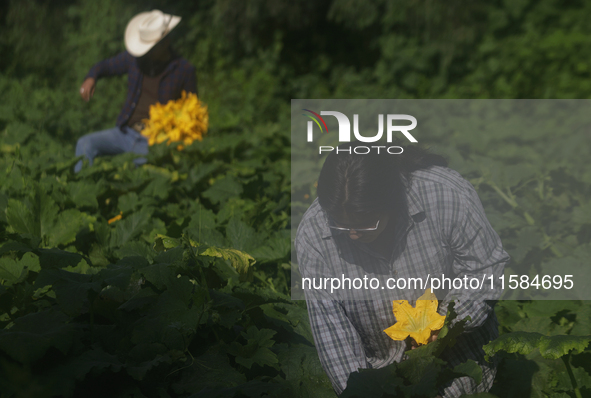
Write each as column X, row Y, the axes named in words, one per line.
column 188, row 294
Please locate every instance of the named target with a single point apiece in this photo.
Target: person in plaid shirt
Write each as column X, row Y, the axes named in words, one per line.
column 155, row 74
column 401, row 216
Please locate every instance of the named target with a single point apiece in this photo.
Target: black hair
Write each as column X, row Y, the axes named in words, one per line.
column 370, row 183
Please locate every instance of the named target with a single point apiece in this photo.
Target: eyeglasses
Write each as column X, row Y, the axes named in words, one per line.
column 331, row 226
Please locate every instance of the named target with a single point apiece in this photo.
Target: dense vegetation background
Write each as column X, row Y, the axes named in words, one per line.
column 188, row 294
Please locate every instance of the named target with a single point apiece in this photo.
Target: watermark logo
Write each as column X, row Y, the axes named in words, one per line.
column 392, row 126
column 315, row 119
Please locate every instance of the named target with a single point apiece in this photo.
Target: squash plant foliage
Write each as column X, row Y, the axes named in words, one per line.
column 188, row 293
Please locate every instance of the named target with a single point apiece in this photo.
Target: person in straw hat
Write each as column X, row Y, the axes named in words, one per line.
column 155, row 74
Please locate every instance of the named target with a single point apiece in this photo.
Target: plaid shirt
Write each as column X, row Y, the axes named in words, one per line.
column 179, row 75
column 446, row 233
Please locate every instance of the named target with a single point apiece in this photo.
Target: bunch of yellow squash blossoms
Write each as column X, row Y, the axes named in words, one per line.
column 185, row 119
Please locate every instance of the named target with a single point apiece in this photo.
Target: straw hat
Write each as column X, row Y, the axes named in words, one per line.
column 146, row 29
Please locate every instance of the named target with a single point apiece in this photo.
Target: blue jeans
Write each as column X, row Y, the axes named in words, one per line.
column 111, row 142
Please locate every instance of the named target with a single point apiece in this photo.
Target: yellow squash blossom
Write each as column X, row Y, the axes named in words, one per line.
column 417, row 322
column 185, row 119
column 116, row 218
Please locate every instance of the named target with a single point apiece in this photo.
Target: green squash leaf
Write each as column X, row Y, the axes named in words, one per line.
column 240, row 261
column 223, row 189
column 256, row 350
column 551, row 347
column 33, row 334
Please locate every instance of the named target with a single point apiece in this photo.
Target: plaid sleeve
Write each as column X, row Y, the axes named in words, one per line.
column 477, row 254
column 117, row 65
column 337, row 341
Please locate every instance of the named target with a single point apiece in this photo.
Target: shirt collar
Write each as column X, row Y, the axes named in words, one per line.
column 413, row 202
column 170, row 64
column 325, row 231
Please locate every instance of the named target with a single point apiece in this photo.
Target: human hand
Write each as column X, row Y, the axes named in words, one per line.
column 87, row 89
column 434, row 335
